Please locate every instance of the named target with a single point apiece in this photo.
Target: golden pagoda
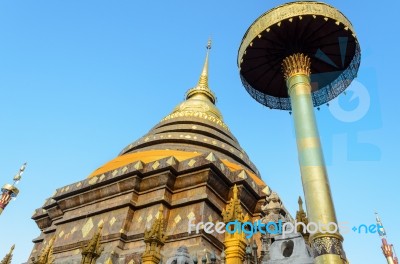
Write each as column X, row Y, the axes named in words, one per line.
column 189, row 168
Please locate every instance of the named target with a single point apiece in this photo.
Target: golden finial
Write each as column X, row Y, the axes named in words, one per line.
column 235, row 244
column 200, row 100
column 154, row 240
column 7, row 259
column 92, row 251
column 300, row 214
column 202, row 85
column 235, row 192
column 233, row 210
column 157, row 228
column 203, row 81
column 300, row 201
column 301, row 217
column 46, row 255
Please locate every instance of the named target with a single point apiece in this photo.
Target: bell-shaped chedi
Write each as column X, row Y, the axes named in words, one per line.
column 188, row 164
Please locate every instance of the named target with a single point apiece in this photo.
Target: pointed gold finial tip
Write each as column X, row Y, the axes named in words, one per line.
column 300, row 201
column 235, row 192
column 161, row 209
column 202, row 85
column 12, row 248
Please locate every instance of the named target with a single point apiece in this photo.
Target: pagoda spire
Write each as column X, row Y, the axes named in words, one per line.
column 387, row 249
column 7, row 259
column 301, row 217
column 200, row 100
column 202, row 91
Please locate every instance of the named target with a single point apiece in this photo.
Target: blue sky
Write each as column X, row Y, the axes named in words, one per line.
column 80, row 80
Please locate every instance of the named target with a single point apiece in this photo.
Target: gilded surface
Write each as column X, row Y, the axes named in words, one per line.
column 46, row 255
column 191, row 162
column 190, row 190
column 235, row 243
column 290, row 10
column 154, row 239
column 233, row 210
column 200, row 100
column 296, row 64
column 235, row 246
column 310, row 142
column 301, row 217
column 7, row 259
column 327, row 245
column 296, row 69
column 143, row 156
column 198, row 114
column 92, row 251
column 87, row 227
column 300, row 88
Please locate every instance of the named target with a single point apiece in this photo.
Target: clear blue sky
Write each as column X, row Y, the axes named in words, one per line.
column 80, row 80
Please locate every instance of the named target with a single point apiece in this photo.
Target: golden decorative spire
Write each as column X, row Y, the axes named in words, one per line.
column 154, row 239
column 7, row 259
column 46, row 256
column 92, row 251
column 202, row 90
column 200, row 100
column 235, row 244
column 233, row 210
column 157, row 230
column 300, row 202
column 300, row 214
column 301, row 217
